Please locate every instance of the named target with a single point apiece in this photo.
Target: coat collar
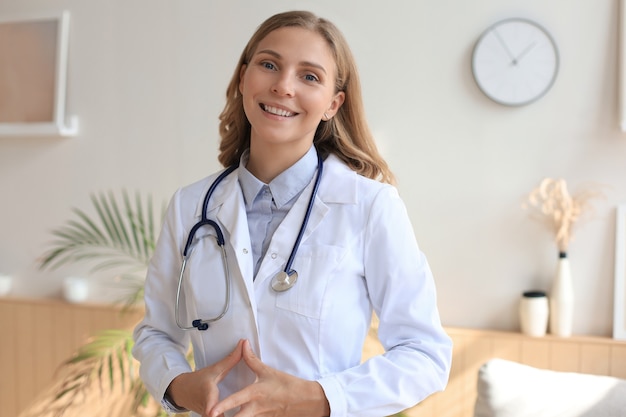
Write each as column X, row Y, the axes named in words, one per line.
column 338, row 186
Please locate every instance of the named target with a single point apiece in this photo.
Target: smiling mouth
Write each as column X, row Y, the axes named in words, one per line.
column 276, row 111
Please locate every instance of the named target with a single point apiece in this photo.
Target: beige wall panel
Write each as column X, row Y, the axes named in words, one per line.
column 8, row 328
column 565, row 356
column 507, row 347
column 43, row 334
column 535, row 352
column 64, row 327
column 618, row 361
column 595, row 359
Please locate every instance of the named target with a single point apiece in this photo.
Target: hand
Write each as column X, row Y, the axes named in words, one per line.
column 197, row 391
column 274, row 393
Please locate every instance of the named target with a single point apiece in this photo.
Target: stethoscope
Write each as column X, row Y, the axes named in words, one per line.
column 282, row 281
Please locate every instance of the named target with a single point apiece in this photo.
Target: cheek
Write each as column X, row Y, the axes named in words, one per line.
column 251, row 85
column 246, row 93
column 316, row 103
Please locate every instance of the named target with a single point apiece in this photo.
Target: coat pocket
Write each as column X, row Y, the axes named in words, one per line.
column 317, row 268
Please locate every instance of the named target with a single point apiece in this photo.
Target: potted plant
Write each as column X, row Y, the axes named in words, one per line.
column 120, row 237
column 561, row 211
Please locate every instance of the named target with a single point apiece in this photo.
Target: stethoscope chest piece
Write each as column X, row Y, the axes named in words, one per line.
column 283, row 281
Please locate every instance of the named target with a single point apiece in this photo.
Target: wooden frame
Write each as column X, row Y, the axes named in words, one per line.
column 33, row 75
column 619, row 304
column 622, row 64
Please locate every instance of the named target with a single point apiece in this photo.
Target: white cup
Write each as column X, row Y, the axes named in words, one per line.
column 75, row 289
column 533, row 313
column 5, row 284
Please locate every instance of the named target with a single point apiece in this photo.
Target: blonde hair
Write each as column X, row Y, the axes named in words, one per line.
column 346, row 135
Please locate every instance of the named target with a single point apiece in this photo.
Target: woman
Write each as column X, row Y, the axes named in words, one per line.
column 314, row 240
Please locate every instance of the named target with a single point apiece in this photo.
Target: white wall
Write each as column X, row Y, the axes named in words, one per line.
column 147, row 80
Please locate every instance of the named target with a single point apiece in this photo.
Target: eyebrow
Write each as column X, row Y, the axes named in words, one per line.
column 305, row 63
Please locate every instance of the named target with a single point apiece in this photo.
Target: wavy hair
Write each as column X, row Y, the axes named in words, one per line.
column 346, row 135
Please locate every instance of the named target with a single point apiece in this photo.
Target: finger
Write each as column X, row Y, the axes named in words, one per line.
column 224, row 366
column 237, row 399
column 255, row 364
column 212, row 399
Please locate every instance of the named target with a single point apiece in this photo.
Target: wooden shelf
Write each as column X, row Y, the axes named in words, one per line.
column 40, row 335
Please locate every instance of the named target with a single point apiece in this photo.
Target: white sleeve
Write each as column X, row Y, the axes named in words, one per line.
column 160, row 346
column 417, row 357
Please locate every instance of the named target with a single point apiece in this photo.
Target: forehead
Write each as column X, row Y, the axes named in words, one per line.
column 298, row 44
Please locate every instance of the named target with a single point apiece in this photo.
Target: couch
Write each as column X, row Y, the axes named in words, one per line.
column 511, row 389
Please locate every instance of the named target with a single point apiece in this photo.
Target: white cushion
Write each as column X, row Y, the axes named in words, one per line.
column 510, row 389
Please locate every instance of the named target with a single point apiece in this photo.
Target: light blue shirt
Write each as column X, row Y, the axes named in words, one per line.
column 268, row 204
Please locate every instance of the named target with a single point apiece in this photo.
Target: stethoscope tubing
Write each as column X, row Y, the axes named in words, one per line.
column 203, row 324
column 288, row 275
column 307, row 215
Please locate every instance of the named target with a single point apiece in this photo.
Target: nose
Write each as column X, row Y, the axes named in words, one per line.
column 284, row 85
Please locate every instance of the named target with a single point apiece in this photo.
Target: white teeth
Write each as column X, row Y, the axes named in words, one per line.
column 278, row 112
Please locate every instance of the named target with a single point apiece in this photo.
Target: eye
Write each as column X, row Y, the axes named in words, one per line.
column 268, row 65
column 311, row 77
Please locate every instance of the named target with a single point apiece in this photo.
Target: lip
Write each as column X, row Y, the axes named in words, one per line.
column 277, row 107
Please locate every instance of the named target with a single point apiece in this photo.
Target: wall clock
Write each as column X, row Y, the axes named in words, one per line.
column 515, row 62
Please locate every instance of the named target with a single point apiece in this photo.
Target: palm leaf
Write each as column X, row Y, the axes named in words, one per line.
column 116, row 237
column 120, row 235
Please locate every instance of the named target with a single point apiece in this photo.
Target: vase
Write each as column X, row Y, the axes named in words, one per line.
column 75, row 289
column 562, row 299
column 533, row 313
column 5, row 284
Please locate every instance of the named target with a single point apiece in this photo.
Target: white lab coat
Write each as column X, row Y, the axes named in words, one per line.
column 358, row 253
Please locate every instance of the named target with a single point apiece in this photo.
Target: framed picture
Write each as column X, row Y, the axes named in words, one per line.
column 622, row 65
column 619, row 305
column 33, row 75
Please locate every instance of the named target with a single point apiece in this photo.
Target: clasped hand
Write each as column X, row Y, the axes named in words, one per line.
column 273, row 393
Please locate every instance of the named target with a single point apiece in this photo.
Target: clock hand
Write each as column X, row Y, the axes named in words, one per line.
column 524, row 52
column 506, row 48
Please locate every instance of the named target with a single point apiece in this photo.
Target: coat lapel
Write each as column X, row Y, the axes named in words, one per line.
column 337, row 186
column 228, row 207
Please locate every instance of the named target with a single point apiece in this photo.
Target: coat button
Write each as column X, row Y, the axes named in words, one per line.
column 245, row 251
column 274, row 255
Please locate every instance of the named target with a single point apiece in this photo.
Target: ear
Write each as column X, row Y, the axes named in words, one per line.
column 335, row 104
column 242, row 72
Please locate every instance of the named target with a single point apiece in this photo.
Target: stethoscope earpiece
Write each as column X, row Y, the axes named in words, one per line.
column 199, row 324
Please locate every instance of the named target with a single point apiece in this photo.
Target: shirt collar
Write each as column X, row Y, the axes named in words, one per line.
column 285, row 186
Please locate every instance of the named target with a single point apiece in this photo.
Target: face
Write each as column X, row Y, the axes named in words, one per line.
column 287, row 87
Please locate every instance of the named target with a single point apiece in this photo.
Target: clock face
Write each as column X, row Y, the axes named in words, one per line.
column 515, row 62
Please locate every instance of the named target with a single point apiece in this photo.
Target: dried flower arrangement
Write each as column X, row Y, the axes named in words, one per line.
column 560, row 209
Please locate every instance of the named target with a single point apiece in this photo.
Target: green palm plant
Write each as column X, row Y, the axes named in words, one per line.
column 121, row 237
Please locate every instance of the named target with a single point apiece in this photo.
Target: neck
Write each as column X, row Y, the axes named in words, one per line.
column 266, row 163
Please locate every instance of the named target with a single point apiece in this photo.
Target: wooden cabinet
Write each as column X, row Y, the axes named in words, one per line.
column 39, row 335
column 472, row 348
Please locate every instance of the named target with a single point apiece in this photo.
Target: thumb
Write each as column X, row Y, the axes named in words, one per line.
column 224, row 366
column 253, row 362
